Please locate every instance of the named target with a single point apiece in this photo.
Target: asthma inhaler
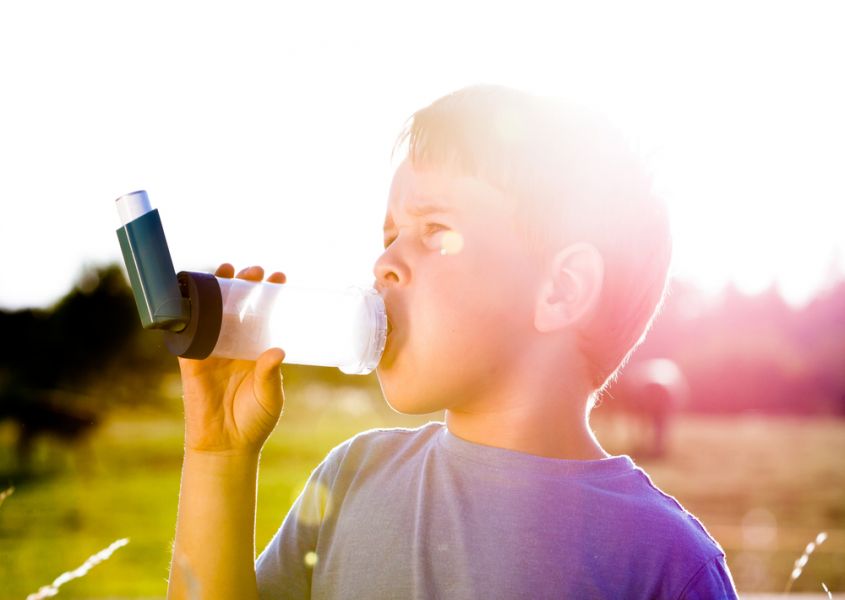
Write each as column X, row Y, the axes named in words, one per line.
column 203, row 315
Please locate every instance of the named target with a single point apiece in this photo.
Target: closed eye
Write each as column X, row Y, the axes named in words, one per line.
column 428, row 229
column 431, row 228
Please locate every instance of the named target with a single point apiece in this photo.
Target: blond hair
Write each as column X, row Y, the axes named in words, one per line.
column 575, row 178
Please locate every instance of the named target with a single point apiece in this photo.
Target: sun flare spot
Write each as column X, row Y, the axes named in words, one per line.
column 759, row 528
column 451, row 242
column 310, row 559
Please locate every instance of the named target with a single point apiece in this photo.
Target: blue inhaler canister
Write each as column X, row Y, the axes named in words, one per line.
column 188, row 306
column 148, row 263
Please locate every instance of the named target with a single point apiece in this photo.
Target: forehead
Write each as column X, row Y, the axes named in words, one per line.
column 419, row 191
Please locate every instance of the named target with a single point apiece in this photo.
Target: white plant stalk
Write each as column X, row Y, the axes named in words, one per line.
column 802, row 560
column 6, row 493
column 53, row 589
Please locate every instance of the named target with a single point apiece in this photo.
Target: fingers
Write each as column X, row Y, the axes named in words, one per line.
column 269, row 361
column 225, row 270
column 254, row 273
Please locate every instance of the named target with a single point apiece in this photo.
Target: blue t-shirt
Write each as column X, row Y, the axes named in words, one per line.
column 421, row 513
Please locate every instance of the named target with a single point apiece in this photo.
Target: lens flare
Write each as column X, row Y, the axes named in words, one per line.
column 310, row 559
column 759, row 528
column 451, row 242
column 315, row 504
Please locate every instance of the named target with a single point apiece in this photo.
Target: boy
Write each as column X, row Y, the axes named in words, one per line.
column 525, row 257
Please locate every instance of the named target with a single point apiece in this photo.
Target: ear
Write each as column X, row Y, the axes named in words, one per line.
column 571, row 287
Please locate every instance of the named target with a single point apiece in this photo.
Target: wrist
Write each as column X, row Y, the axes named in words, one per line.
column 224, row 461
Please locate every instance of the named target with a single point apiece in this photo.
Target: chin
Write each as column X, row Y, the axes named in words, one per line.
column 411, row 408
column 400, row 401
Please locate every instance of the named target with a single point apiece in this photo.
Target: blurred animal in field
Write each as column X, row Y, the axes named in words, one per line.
column 49, row 358
column 642, row 402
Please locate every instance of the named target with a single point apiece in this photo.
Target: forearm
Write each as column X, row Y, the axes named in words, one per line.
column 214, row 550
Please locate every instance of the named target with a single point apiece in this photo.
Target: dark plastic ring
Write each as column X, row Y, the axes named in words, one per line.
column 198, row 339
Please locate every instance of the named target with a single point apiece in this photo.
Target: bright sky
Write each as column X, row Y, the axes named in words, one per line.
column 263, row 131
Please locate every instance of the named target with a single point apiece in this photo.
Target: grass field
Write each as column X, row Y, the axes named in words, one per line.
column 763, row 488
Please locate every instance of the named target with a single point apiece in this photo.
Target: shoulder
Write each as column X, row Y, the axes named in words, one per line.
column 380, row 446
column 690, row 556
column 369, row 457
column 668, row 520
column 667, row 550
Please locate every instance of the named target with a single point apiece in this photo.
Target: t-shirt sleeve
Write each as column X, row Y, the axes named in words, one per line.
column 283, row 569
column 713, row 581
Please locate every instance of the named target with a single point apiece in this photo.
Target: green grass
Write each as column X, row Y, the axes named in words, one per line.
column 720, row 469
column 128, row 487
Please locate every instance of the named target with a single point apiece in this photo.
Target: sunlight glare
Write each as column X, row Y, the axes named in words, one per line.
column 759, row 528
column 316, row 503
column 451, row 242
column 310, row 559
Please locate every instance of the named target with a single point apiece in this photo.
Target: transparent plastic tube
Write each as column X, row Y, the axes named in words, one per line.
column 346, row 329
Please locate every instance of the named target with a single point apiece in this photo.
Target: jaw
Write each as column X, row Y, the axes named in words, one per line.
column 404, row 393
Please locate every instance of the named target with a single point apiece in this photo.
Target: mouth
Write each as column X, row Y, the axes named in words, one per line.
column 390, row 331
column 388, row 316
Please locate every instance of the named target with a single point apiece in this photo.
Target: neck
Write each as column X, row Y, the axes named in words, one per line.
column 522, row 429
column 537, row 409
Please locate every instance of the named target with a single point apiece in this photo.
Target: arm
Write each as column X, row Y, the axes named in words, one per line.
column 215, row 528
column 231, row 407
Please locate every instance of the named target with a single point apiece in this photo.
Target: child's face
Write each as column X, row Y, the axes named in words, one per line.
column 459, row 288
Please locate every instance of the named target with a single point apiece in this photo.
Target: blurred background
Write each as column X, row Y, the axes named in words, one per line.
column 263, row 134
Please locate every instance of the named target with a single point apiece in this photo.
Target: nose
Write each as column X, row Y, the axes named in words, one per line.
column 389, row 270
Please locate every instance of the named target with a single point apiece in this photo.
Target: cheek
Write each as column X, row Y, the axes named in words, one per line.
column 480, row 293
column 496, row 295
column 462, row 304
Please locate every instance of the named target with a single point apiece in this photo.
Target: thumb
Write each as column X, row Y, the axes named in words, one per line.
column 267, row 384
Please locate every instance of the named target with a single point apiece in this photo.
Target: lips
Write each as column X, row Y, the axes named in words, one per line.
column 388, row 314
column 390, row 323
column 386, row 357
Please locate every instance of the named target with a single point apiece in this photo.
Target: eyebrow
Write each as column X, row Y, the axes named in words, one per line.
column 421, row 210
column 427, row 208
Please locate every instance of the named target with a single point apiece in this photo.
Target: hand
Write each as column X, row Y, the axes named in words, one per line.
column 232, row 406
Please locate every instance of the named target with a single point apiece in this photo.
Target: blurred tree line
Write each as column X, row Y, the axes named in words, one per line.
column 754, row 353
column 63, row 368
